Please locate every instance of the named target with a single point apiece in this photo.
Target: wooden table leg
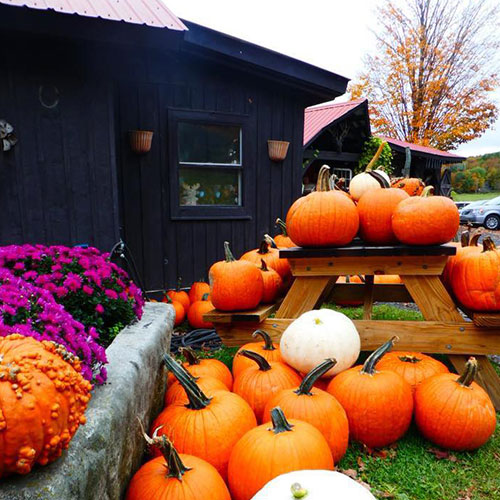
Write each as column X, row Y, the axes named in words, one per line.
column 436, row 304
column 306, row 293
column 368, row 297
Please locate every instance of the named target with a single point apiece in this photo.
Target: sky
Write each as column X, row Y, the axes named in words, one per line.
column 331, row 34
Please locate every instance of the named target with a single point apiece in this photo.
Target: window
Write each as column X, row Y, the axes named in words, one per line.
column 211, row 169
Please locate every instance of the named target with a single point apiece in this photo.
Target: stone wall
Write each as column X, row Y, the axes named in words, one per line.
column 106, row 451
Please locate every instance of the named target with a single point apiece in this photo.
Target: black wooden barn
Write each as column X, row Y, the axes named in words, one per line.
column 334, row 134
column 73, row 86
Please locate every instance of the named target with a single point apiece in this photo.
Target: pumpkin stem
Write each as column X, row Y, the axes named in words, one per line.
column 190, row 355
column 179, row 283
column 298, row 491
column 409, row 359
column 263, row 247
column 465, row 238
column 323, row 183
column 205, row 296
column 282, row 225
column 427, row 191
column 263, row 265
column 474, row 240
column 197, row 400
column 376, row 156
column 270, row 241
column 280, row 423
column 227, row 252
column 374, row 358
column 380, row 179
column 176, row 469
column 268, row 343
column 313, row 375
column 488, row 245
column 255, row 356
column 469, row 373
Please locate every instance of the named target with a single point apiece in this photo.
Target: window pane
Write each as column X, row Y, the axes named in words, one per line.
column 209, row 186
column 203, row 143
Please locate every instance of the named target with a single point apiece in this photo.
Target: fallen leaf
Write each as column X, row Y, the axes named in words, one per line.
column 384, row 494
column 361, row 464
column 352, row 473
column 379, row 453
column 442, row 454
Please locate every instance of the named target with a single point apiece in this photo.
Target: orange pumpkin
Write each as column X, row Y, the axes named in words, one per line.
column 387, row 279
column 425, row 220
column 375, row 208
column 271, row 256
column 411, row 185
column 283, row 240
column 179, row 295
column 176, row 393
column 272, row 283
column 197, row 310
column 412, row 366
column 206, row 427
column 316, row 407
column 199, row 367
column 347, row 302
column 235, row 285
column 379, row 404
column 198, row 290
column 258, row 383
column 180, row 312
column 455, row 413
column 323, row 217
column 475, row 280
column 267, row 452
column 175, row 476
column 43, row 397
column 267, row 349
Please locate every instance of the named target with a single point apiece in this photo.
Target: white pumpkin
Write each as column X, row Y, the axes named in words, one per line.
column 313, row 485
column 363, row 182
column 318, row 335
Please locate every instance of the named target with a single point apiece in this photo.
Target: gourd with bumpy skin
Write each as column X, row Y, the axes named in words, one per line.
column 235, row 285
column 43, row 398
column 268, row 451
column 317, row 335
column 206, row 427
column 267, row 349
column 453, row 411
column 425, row 219
column 316, row 407
column 323, row 217
column 379, row 404
column 313, row 485
column 176, row 476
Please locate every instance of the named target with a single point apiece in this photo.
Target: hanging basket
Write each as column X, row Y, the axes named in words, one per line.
column 140, row 141
column 277, row 150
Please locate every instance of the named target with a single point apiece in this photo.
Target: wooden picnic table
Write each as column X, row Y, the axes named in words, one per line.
column 445, row 329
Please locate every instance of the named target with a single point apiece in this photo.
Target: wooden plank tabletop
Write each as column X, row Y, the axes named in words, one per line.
column 255, row 315
column 358, row 249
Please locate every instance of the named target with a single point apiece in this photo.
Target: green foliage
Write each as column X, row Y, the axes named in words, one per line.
column 380, row 311
column 369, row 149
column 476, row 174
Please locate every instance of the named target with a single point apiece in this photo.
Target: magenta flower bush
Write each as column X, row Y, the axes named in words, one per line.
column 33, row 312
column 95, row 291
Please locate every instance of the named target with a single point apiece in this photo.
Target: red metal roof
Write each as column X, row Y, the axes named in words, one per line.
column 150, row 12
column 316, row 118
column 421, row 149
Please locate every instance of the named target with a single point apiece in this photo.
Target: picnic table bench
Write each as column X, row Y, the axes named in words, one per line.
column 445, row 329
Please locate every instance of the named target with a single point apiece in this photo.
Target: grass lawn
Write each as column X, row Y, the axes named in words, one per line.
column 409, row 471
column 474, row 196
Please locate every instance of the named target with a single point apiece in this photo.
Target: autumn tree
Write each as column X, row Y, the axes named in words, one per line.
column 435, row 69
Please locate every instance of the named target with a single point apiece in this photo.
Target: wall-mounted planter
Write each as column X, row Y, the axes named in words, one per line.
column 277, row 150
column 140, row 141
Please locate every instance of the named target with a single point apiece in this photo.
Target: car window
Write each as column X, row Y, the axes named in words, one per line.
column 494, row 201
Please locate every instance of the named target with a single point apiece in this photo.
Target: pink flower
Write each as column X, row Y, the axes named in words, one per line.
column 88, row 290
column 99, row 308
column 111, row 294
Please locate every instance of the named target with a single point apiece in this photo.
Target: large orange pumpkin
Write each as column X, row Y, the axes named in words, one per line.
column 271, row 256
column 425, row 220
column 272, row 283
column 178, row 295
column 375, row 208
column 412, row 366
column 323, row 217
column 316, row 407
column 43, row 398
column 198, row 290
column 176, row 393
column 411, row 185
column 475, row 280
column 267, row 452
column 283, row 240
column 455, row 413
column 206, row 427
column 379, row 404
column 258, row 383
column 197, row 310
column 267, row 349
column 176, row 477
column 235, row 284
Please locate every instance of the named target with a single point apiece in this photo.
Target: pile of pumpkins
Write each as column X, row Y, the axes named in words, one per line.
column 276, row 426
